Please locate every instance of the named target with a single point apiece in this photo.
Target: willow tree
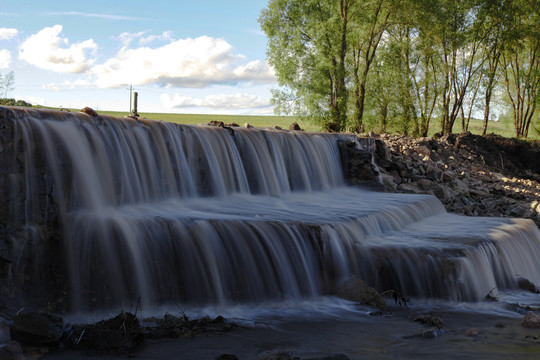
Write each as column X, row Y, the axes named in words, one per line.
column 521, row 63
column 307, row 47
column 371, row 18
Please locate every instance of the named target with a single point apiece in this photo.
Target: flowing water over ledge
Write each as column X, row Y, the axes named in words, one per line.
column 203, row 215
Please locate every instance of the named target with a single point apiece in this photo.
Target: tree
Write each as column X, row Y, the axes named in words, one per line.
column 7, row 83
column 521, row 63
column 371, row 20
column 307, row 47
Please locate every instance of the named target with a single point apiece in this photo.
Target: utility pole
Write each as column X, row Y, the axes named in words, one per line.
column 130, row 96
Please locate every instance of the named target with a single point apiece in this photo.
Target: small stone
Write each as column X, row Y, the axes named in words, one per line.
column 472, row 332
column 295, row 126
column 89, row 111
column 531, row 320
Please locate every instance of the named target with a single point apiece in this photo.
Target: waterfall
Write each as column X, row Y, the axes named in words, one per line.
column 183, row 213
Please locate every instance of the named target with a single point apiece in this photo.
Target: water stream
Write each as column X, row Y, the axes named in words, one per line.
column 200, row 215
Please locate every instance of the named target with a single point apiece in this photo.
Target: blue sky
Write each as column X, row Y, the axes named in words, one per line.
column 180, row 56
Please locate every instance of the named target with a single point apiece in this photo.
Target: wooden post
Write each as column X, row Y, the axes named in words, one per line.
column 135, row 98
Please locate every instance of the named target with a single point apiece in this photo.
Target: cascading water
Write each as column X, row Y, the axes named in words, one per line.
column 181, row 213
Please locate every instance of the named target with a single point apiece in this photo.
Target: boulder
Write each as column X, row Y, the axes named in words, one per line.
column 359, row 292
column 37, row 328
column 531, row 320
column 294, row 126
column 89, row 111
column 11, row 351
column 216, row 123
column 227, row 357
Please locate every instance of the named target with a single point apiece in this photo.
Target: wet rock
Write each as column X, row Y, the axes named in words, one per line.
column 120, row 334
column 227, row 357
column 89, row 111
column 294, row 126
column 216, row 123
column 332, row 357
column 525, row 284
column 357, row 164
column 5, row 331
column 429, row 320
column 531, row 320
column 425, row 334
column 358, row 291
column 277, row 355
column 11, row 351
column 37, row 328
column 472, row 332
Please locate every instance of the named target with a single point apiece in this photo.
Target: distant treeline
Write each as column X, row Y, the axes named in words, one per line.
column 405, row 65
column 13, row 102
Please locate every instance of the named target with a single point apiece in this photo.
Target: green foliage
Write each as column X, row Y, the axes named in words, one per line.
column 13, row 102
column 400, row 65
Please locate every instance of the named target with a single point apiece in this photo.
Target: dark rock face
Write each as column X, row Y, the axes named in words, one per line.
column 357, row 164
column 27, row 232
column 37, row 328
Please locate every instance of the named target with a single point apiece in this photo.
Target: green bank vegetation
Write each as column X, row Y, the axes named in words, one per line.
column 503, row 128
column 410, row 66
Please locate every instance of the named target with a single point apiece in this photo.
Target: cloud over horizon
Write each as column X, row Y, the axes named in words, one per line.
column 8, row 33
column 192, row 62
column 220, row 102
column 47, row 50
column 5, row 59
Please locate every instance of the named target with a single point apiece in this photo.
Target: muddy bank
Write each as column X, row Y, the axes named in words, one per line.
column 399, row 332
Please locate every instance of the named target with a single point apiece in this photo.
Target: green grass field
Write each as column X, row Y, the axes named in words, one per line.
column 254, row 120
column 475, row 126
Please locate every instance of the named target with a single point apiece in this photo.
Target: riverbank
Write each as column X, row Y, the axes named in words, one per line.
column 470, row 174
column 442, row 330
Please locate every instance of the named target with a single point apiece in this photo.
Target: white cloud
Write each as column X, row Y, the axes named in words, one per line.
column 5, row 59
column 126, row 37
column 34, row 100
column 196, row 63
column 102, row 16
column 222, row 102
column 47, row 50
column 51, row 86
column 8, row 33
column 165, row 36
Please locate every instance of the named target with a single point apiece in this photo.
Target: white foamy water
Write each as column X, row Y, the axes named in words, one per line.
column 202, row 215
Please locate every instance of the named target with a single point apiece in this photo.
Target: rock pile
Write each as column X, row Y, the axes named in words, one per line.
column 470, row 174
